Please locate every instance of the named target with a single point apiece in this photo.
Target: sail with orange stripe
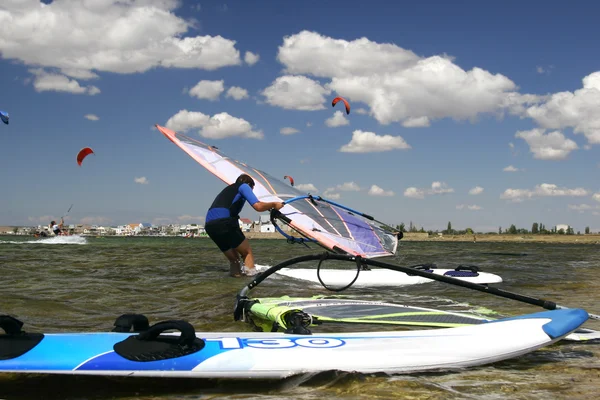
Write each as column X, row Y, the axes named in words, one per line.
column 333, row 227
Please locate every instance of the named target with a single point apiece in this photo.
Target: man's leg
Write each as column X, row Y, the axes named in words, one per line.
column 245, row 251
column 235, row 267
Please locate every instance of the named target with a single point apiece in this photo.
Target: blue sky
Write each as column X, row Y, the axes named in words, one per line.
column 482, row 115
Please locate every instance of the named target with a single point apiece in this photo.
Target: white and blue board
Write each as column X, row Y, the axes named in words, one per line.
column 280, row 355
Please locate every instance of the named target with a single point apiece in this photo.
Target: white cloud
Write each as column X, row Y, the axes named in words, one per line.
column 251, row 58
column 78, row 37
column 596, row 196
column 397, row 84
column 473, row 207
column 309, row 124
column 337, row 119
column 377, row 191
column 185, row 120
column 582, row 207
column 237, row 93
column 362, row 111
column 369, row 142
column 330, row 194
column 543, row 190
column 142, row 180
column 551, row 146
column 420, row 193
column 296, row 93
column 348, row 187
column 218, row 126
column 91, row 117
column 208, row 90
column 476, row 190
column 288, row 130
column 577, row 110
column 46, row 81
column 307, row 187
column 416, row 122
column 224, row 125
column 510, row 168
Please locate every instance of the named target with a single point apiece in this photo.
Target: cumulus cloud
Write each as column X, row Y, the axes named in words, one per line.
column 397, row 84
column 208, row 90
column 420, row 193
column 251, row 58
column 551, row 146
column 348, row 187
column 296, row 93
column 218, row 126
column 142, row 180
column 288, row 130
column 369, row 142
column 577, row 110
column 361, row 111
column 337, row 119
column 331, row 194
column 377, row 191
column 416, row 122
column 307, row 187
column 91, row 117
column 582, row 207
column 476, row 190
column 237, row 93
column 510, row 168
column 543, row 190
column 46, row 81
column 79, row 37
column 472, row 207
column 596, row 196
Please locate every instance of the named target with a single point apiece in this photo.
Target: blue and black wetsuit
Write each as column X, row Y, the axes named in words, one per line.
column 222, row 224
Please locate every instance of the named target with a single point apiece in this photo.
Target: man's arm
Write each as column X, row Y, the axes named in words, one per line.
column 258, row 205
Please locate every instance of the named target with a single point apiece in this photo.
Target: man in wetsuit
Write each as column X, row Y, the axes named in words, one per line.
column 223, row 227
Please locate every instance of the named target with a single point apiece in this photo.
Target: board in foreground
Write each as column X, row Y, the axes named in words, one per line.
column 278, row 355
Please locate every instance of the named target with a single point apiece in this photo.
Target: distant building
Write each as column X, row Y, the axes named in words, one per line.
column 564, row 227
column 245, row 224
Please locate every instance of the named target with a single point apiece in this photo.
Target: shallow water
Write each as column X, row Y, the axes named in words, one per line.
column 83, row 284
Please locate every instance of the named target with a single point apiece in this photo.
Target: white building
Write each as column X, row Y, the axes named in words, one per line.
column 564, row 227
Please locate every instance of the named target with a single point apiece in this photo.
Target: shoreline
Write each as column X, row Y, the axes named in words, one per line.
column 416, row 237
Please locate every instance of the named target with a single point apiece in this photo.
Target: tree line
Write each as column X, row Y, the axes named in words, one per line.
column 536, row 229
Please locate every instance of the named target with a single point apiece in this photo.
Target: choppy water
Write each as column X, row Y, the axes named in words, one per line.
column 83, row 284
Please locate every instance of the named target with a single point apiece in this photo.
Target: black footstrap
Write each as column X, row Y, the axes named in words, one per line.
column 150, row 345
column 16, row 342
column 131, row 323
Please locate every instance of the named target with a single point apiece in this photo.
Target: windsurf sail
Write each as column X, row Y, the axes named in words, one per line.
column 285, row 313
column 333, row 226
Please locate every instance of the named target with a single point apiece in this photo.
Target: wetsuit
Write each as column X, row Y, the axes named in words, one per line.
column 221, row 222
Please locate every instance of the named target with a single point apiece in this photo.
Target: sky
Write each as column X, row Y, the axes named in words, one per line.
column 476, row 113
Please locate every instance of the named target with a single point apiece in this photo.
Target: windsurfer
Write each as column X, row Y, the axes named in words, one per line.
column 223, row 227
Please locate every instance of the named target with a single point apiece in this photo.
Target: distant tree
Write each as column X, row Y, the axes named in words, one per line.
column 499, row 230
column 401, row 227
column 534, row 228
column 449, row 230
column 410, row 226
column 512, row 230
column 422, row 230
column 587, row 230
column 561, row 231
column 570, row 231
column 15, row 230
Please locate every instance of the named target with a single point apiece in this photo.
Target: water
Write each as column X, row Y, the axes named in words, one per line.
column 83, row 284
